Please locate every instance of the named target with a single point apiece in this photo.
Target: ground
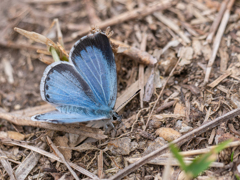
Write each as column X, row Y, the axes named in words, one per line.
column 164, row 46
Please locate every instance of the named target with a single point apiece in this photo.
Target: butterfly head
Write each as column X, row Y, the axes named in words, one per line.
column 115, row 116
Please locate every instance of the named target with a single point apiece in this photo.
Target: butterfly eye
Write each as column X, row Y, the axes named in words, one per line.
column 114, row 118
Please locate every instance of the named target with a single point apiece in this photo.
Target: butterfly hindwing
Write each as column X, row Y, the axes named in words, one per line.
column 61, row 118
column 94, row 60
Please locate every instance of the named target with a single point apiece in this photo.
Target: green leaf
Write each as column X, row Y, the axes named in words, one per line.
column 232, row 154
column 175, row 151
column 222, row 145
column 202, row 162
column 238, row 178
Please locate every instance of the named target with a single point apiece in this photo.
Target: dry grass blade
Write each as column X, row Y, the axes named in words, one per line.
column 74, row 129
column 129, row 92
column 29, row 163
column 136, row 13
column 141, row 70
column 217, row 21
column 47, row 154
column 219, row 79
column 172, row 26
column 59, row 154
column 100, row 164
column 59, row 32
column 218, row 40
column 7, row 166
column 161, row 92
column 36, row 37
column 163, row 161
column 203, row 151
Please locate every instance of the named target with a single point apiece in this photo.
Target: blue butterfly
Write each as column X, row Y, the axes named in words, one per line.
column 85, row 88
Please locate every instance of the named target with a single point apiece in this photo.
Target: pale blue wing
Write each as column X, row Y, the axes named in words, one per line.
column 94, row 60
column 61, row 84
column 62, row 118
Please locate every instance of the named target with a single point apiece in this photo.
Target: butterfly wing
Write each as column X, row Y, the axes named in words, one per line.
column 94, row 60
column 61, row 84
column 61, row 118
column 64, row 87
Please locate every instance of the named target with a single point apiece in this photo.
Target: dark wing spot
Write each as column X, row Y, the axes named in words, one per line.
column 46, row 87
column 48, row 78
column 48, row 96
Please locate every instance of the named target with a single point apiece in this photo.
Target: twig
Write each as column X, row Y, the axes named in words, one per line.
column 185, row 138
column 100, row 164
column 217, row 21
column 46, row 1
column 15, row 45
column 136, row 54
column 93, row 18
column 219, row 79
column 50, row 155
column 170, row 75
column 136, row 13
column 174, row 162
column 172, row 26
column 218, row 40
column 59, row 154
column 167, row 168
column 29, row 163
column 203, row 151
column 7, row 166
column 141, row 70
column 233, row 130
column 26, row 121
column 165, row 106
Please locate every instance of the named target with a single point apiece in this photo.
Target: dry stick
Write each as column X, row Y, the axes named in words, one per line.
column 185, row 138
column 170, row 75
column 59, row 154
column 26, row 121
column 47, row 154
column 136, row 13
column 15, row 45
column 91, row 13
column 173, row 26
column 7, row 166
column 218, row 40
column 216, row 22
column 100, row 164
column 136, row 54
column 163, row 161
column 141, row 70
column 203, row 151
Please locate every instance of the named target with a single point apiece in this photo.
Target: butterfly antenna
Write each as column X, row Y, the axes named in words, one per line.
column 136, row 93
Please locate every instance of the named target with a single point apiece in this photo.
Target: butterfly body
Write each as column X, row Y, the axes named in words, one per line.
column 85, row 88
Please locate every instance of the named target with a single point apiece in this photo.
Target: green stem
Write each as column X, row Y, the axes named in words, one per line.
column 54, row 54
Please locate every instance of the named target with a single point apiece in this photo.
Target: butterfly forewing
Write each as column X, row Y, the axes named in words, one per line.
column 94, row 60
